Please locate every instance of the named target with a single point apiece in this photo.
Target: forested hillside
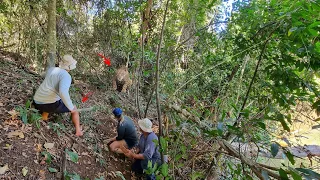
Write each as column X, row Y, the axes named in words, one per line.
column 231, row 87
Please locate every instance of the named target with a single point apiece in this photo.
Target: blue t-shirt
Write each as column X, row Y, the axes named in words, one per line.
column 127, row 131
column 148, row 148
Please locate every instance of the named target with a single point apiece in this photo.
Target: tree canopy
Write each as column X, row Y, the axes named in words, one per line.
column 225, row 81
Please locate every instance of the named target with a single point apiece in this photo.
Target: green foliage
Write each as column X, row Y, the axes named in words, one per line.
column 119, row 174
column 73, row 156
column 100, row 178
column 283, row 174
column 290, row 157
column 53, row 170
column 295, row 174
column 164, row 170
column 48, row 157
column 57, row 127
column 71, row 176
column 197, row 175
column 308, row 173
column 164, row 145
column 29, row 114
column 219, row 65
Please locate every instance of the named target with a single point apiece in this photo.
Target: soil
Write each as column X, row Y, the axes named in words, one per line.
column 28, row 152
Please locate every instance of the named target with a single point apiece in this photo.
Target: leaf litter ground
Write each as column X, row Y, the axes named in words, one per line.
column 29, row 152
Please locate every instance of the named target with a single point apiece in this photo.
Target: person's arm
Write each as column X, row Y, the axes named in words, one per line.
column 137, row 156
column 64, row 86
column 148, row 152
column 130, row 154
column 149, row 148
column 136, row 150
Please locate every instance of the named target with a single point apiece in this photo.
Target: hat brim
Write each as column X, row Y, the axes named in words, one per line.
column 68, row 67
column 144, row 128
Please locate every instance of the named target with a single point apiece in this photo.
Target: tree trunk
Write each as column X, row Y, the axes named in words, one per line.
column 51, row 10
column 146, row 21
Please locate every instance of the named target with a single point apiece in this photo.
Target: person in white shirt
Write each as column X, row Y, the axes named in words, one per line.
column 53, row 94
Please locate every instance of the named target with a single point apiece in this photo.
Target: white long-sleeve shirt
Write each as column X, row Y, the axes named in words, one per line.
column 55, row 87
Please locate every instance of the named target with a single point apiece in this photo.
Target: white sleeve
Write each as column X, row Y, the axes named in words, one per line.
column 64, row 86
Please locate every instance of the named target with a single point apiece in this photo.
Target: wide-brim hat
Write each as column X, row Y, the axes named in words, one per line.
column 68, row 63
column 145, row 124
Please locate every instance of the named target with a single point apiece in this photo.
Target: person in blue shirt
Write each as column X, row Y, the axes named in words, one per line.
column 147, row 149
column 126, row 133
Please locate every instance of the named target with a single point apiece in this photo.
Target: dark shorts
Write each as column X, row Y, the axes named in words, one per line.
column 57, row 107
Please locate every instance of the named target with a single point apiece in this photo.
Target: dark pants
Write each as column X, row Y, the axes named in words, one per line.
column 139, row 165
column 56, row 107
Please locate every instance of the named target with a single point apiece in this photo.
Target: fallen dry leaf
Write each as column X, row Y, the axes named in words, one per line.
column 12, row 122
column 38, row 147
column 13, row 114
column 42, row 174
column 1, row 104
column 8, row 147
column 4, row 169
column 15, row 133
column 24, row 171
column 24, row 155
column 48, row 145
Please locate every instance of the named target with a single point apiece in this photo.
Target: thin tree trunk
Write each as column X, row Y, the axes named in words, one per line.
column 149, row 101
column 158, row 78
column 145, row 16
column 140, row 69
column 246, row 58
column 51, row 10
column 252, row 80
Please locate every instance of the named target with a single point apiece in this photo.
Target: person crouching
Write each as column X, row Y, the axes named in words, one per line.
column 147, row 150
column 126, row 133
column 53, row 94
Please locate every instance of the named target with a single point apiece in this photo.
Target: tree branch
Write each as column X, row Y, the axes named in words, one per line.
column 252, row 80
column 256, row 168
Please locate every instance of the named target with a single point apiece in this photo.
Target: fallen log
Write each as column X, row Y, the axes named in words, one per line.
column 250, row 149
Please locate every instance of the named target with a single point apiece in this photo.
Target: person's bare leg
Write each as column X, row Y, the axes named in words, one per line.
column 76, row 121
column 45, row 116
column 115, row 146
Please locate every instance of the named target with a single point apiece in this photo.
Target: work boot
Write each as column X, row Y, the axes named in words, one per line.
column 45, row 116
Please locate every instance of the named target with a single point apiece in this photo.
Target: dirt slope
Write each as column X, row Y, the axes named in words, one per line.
column 27, row 150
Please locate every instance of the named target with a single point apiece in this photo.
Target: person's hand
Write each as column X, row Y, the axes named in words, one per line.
column 129, row 153
column 135, row 150
column 126, row 152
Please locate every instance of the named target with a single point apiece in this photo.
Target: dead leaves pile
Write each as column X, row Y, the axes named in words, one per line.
column 15, row 130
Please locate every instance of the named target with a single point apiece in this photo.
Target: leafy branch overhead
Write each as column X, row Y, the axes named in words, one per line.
column 232, row 87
